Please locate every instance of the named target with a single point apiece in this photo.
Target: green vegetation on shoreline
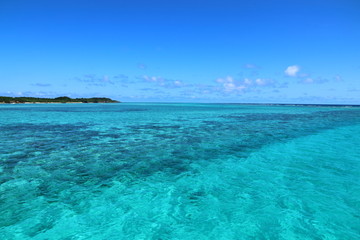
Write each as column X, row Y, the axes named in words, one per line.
column 55, row 100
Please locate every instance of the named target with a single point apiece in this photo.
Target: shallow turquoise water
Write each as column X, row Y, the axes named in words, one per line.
column 179, row 171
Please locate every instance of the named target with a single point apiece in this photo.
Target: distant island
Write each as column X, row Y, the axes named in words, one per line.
column 55, row 100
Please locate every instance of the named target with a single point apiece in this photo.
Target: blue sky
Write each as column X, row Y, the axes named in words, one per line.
column 182, row 51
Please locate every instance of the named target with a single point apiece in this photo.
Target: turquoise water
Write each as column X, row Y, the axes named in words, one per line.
column 179, row 171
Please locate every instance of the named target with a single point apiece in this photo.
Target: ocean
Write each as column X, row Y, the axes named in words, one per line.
column 179, row 171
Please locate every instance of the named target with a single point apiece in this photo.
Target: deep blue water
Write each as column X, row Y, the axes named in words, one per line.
column 179, row 171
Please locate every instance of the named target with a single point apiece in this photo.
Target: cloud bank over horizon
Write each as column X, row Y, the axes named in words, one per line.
column 222, row 89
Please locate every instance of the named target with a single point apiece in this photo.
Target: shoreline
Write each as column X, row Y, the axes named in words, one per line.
column 64, row 99
column 38, row 102
column 251, row 104
column 48, row 102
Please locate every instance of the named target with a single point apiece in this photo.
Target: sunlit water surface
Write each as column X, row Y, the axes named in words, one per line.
column 179, row 171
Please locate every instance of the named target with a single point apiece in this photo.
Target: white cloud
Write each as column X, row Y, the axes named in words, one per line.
column 229, row 84
column 153, row 79
column 228, row 87
column 318, row 80
column 228, row 79
column 106, row 79
column 249, row 66
column 164, row 82
column 292, row 70
column 94, row 80
column 247, row 81
column 178, row 83
column 308, row 80
column 338, row 78
column 41, row 84
column 260, row 82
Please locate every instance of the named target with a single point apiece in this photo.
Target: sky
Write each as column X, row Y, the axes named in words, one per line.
column 256, row 51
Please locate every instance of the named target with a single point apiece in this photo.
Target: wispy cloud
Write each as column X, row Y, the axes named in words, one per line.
column 49, row 94
column 250, row 66
column 338, row 78
column 310, row 80
column 163, row 82
column 121, row 77
column 94, row 80
column 41, row 85
column 264, row 82
column 292, row 71
column 153, row 90
column 229, row 84
column 305, row 78
column 105, row 80
column 353, row 89
column 141, row 66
